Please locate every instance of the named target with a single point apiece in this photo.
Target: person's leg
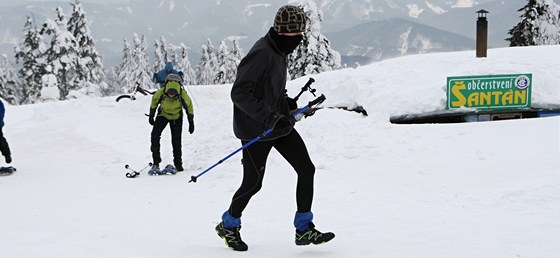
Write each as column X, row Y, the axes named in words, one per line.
column 293, row 149
column 176, row 132
column 5, row 148
column 254, row 163
column 157, row 129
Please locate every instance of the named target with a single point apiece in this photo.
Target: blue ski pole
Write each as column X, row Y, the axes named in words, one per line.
column 314, row 102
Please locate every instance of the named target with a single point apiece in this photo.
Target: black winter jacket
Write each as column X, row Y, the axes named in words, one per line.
column 259, row 92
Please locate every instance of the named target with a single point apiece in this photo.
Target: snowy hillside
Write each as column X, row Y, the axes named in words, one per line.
column 479, row 190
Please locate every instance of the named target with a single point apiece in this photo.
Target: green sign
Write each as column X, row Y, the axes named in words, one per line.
column 503, row 91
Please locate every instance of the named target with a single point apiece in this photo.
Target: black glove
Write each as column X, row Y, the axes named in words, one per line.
column 191, row 128
column 151, row 116
column 190, row 118
column 292, row 104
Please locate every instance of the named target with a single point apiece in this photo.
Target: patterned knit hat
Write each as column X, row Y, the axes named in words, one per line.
column 289, row 18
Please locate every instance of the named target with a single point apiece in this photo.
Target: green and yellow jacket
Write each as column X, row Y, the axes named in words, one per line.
column 171, row 108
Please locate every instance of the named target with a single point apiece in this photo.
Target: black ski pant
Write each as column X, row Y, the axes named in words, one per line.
column 176, row 130
column 293, row 149
column 4, row 147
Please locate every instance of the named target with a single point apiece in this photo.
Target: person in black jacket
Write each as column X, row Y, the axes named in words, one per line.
column 4, row 147
column 260, row 103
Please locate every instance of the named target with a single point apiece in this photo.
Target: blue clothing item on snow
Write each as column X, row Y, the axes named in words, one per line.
column 302, row 220
column 230, row 221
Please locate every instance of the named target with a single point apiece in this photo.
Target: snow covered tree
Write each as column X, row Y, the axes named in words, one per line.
column 228, row 60
column 314, row 55
column 90, row 65
column 162, row 54
column 125, row 69
column 62, row 54
column 539, row 25
column 183, row 64
column 8, row 81
column 29, row 55
column 221, row 57
column 142, row 72
column 208, row 66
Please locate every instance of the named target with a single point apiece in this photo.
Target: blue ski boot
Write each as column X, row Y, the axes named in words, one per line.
column 169, row 169
column 154, row 170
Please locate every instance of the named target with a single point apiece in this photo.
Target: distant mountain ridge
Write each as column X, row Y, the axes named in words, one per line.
column 193, row 22
column 405, row 37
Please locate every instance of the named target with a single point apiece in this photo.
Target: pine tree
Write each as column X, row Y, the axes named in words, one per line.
column 230, row 61
column 62, row 54
column 221, row 57
column 207, row 67
column 29, row 54
column 161, row 54
column 124, row 70
column 90, row 65
column 141, row 72
column 183, row 64
column 539, row 25
column 8, row 81
column 314, row 55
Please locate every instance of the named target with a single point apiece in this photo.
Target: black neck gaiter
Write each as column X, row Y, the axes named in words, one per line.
column 286, row 44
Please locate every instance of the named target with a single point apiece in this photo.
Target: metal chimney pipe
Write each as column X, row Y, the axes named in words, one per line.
column 481, row 34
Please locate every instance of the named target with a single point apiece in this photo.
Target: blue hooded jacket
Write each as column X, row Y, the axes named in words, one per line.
column 2, row 112
column 160, row 76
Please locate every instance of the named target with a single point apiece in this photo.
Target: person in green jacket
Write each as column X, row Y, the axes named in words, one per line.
column 171, row 100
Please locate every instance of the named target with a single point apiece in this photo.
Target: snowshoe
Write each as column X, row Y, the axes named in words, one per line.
column 6, row 171
column 169, row 169
column 154, row 170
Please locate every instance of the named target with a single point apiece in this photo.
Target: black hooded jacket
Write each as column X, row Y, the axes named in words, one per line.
column 259, row 91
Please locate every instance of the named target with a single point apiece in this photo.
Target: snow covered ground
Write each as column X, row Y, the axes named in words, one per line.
column 488, row 189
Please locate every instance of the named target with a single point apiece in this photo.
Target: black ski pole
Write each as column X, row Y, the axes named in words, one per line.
column 314, row 102
column 134, row 172
column 306, row 87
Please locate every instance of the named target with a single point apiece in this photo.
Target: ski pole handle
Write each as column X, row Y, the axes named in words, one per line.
column 305, row 87
column 314, row 102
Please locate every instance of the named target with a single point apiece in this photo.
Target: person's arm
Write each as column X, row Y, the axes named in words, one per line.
column 187, row 104
column 251, row 76
column 2, row 111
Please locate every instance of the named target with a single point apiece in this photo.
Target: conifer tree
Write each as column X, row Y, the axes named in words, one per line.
column 161, row 54
column 8, row 81
column 90, row 65
column 124, row 70
column 314, row 55
column 221, row 57
column 62, row 54
column 229, row 60
column 28, row 55
column 207, row 67
column 183, row 64
column 539, row 25
column 141, row 73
